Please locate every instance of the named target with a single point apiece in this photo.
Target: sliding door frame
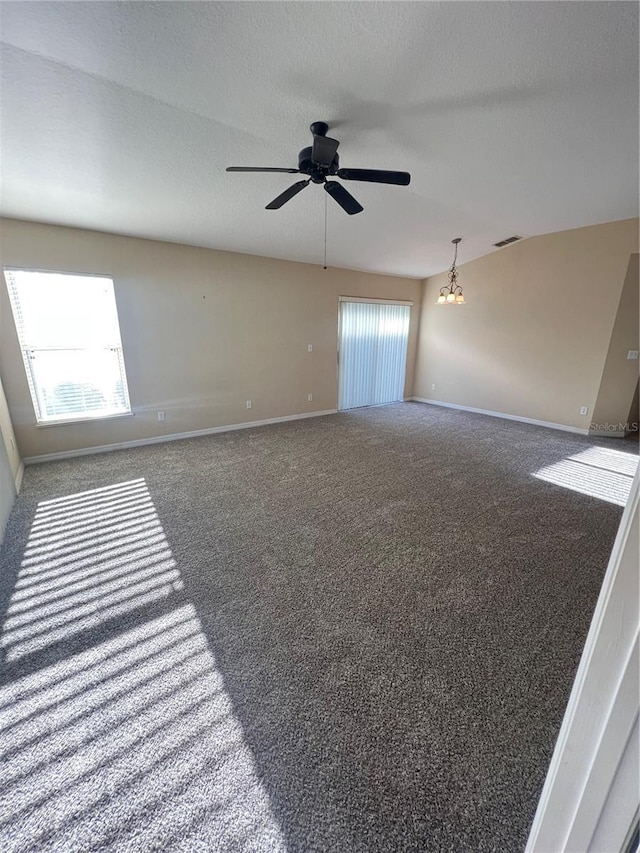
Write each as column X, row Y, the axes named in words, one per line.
column 341, row 299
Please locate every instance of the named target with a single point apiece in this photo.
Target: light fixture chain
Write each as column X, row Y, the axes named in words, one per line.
column 325, row 231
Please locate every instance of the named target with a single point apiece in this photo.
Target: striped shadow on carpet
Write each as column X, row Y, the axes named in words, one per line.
column 352, row 633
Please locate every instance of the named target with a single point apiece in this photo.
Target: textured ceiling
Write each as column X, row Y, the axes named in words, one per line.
column 513, row 118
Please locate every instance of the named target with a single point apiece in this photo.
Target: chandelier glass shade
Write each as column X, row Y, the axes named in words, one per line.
column 451, row 293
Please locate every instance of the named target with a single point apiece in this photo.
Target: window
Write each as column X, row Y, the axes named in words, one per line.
column 70, row 339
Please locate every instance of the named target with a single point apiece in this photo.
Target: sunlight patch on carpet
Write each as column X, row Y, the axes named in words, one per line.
column 599, row 472
column 131, row 743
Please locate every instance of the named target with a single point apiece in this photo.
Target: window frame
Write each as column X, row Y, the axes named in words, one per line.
column 25, row 351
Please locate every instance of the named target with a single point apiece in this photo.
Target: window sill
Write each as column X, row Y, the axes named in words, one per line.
column 100, row 418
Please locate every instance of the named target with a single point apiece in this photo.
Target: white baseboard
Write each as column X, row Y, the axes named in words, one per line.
column 19, row 474
column 604, row 433
column 503, row 415
column 159, row 439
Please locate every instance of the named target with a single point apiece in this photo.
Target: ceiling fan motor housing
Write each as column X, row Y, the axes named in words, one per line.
column 316, row 172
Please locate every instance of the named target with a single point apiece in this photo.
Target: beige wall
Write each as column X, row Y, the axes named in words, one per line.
column 532, row 339
column 9, row 463
column 620, row 375
column 633, row 418
column 202, row 331
column 7, row 435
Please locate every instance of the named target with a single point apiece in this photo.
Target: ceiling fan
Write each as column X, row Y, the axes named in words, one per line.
column 320, row 161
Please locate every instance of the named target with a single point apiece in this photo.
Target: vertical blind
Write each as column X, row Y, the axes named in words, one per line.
column 69, row 335
column 373, row 353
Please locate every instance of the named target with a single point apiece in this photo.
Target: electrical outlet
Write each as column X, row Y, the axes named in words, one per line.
column 249, row 404
column 584, row 410
column 309, row 347
column 433, row 386
column 632, row 355
column 160, row 416
column 310, row 398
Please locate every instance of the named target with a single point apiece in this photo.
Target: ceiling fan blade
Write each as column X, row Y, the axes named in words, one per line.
column 324, row 150
column 259, row 169
column 344, row 198
column 375, row 176
column 288, row 194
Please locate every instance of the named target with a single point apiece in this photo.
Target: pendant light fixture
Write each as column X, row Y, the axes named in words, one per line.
column 452, row 294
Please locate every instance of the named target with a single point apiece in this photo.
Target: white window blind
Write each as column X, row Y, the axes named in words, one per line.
column 70, row 339
column 373, row 353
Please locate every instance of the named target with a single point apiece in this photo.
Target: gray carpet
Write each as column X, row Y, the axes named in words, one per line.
column 350, row 633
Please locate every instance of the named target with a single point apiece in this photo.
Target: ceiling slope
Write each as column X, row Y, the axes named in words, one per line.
column 513, row 118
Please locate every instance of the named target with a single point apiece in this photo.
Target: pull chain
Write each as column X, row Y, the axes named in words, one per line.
column 325, row 231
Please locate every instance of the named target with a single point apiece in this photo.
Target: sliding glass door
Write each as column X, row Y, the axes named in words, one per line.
column 372, row 352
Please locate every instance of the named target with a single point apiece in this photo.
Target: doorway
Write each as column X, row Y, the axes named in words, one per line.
column 372, row 352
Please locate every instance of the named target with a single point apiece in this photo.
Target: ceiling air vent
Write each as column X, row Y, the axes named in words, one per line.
column 506, row 242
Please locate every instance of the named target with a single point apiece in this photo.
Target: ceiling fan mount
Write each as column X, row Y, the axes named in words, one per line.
column 320, row 161
column 319, row 128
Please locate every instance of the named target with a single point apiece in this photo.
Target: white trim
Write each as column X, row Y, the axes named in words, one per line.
column 612, row 743
column 59, row 272
column 90, row 419
column 158, row 439
column 19, row 475
column 626, row 847
column 549, row 424
column 377, row 301
column 601, row 709
column 372, row 406
column 607, row 433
